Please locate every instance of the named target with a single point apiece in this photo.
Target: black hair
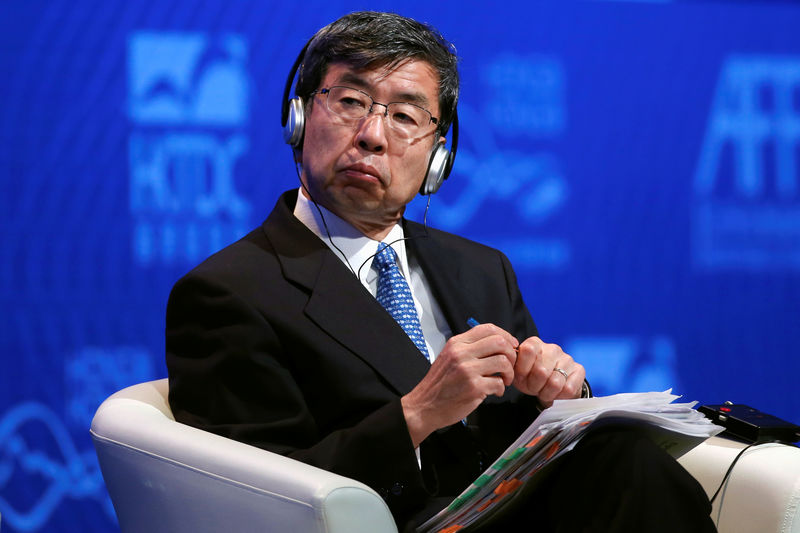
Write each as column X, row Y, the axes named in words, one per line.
column 368, row 40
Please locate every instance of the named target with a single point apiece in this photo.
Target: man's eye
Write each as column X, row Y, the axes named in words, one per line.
column 351, row 102
column 404, row 118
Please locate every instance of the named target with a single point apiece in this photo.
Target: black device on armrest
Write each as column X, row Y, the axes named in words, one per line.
column 751, row 425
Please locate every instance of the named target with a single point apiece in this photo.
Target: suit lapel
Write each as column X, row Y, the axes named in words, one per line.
column 339, row 304
column 444, row 276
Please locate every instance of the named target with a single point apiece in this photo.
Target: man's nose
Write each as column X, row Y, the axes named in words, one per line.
column 371, row 134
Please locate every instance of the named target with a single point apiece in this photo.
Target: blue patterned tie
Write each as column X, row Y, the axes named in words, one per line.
column 395, row 296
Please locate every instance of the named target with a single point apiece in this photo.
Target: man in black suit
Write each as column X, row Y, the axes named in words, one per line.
column 279, row 340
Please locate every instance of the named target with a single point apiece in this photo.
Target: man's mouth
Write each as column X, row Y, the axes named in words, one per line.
column 363, row 171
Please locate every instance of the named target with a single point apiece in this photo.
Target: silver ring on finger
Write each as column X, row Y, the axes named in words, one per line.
column 562, row 372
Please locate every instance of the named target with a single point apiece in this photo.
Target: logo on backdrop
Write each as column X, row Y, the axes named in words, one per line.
column 36, row 443
column 627, row 363
column 747, row 182
column 488, row 171
column 188, row 97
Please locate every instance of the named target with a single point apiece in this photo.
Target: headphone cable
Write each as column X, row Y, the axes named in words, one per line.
column 330, row 237
column 730, row 469
column 322, row 217
column 738, row 456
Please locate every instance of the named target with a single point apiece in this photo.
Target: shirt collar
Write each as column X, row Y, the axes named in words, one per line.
column 357, row 248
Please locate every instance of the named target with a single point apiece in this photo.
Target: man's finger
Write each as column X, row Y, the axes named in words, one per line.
column 497, row 366
column 480, row 331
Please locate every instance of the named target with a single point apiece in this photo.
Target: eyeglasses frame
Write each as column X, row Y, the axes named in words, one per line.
column 326, row 91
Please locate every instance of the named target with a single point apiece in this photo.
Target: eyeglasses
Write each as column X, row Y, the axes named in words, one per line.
column 405, row 120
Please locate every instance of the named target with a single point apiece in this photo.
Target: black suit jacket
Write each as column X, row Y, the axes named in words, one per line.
column 272, row 341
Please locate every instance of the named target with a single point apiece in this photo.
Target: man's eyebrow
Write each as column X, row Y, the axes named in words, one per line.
column 359, row 82
column 414, row 98
column 354, row 79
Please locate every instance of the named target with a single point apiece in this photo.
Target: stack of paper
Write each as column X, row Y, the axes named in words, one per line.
column 676, row 427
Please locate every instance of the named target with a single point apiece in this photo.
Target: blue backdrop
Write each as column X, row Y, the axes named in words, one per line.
column 638, row 162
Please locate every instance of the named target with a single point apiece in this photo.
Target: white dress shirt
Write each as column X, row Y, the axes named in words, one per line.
column 356, row 250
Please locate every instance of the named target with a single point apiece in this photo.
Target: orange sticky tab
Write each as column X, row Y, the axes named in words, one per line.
column 534, row 441
column 506, row 487
column 451, row 529
column 551, row 451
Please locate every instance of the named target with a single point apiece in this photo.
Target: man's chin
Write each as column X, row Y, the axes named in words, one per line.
column 358, row 198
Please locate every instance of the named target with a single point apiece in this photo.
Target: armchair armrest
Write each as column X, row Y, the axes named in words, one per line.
column 762, row 494
column 166, row 476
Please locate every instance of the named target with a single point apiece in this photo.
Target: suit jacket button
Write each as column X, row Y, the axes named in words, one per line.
column 397, row 489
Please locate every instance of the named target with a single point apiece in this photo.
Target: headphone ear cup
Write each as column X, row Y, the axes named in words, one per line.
column 438, row 169
column 295, row 125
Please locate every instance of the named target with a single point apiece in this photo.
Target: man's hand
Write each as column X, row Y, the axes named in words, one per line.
column 537, row 373
column 473, row 365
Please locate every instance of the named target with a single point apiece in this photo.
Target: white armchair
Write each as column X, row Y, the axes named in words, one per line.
column 167, row 477
column 164, row 476
column 762, row 494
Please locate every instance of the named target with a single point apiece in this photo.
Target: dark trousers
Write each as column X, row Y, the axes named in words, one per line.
column 615, row 480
